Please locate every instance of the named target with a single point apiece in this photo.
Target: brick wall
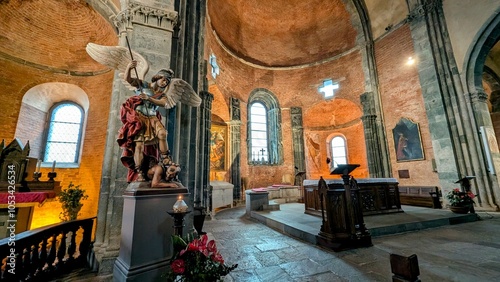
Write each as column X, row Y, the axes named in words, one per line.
column 32, row 128
column 44, row 42
column 297, row 87
column 88, row 174
column 402, row 97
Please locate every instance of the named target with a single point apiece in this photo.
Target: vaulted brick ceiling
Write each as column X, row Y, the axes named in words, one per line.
column 52, row 34
column 282, row 32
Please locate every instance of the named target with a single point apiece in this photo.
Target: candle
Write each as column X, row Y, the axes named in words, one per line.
column 180, row 205
column 53, row 166
column 39, row 163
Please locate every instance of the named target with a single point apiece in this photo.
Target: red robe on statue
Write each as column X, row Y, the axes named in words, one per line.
column 127, row 133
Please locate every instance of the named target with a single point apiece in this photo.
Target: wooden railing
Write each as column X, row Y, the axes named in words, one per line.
column 423, row 196
column 46, row 252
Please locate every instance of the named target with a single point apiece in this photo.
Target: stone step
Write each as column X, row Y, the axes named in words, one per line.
column 272, row 206
column 291, row 220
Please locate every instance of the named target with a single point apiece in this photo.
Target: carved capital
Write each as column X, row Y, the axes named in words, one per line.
column 367, row 100
column 122, row 21
column 368, row 119
column 296, row 113
column 235, row 109
column 423, row 8
column 137, row 13
column 204, row 95
column 478, row 96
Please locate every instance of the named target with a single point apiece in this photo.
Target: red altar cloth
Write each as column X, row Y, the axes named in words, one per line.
column 27, row 197
column 259, row 190
column 274, row 187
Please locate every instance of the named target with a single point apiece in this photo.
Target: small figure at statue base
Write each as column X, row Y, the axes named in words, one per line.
column 158, row 175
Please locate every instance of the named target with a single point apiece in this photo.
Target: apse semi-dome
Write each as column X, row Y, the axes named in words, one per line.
column 281, row 33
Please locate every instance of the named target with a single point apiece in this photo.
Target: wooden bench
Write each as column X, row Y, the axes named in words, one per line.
column 422, row 196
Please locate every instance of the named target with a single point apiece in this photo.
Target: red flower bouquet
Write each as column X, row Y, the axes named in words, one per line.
column 197, row 261
column 460, row 199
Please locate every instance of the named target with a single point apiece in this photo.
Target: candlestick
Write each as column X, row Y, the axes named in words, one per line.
column 52, row 175
column 178, row 221
column 37, row 175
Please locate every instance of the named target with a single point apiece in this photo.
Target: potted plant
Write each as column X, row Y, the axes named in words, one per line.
column 198, row 260
column 460, row 202
column 71, row 198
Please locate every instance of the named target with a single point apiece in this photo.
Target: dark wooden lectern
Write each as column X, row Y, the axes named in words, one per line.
column 465, row 183
column 344, row 227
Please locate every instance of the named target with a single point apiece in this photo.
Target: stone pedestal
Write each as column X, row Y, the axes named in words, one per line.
column 255, row 201
column 147, row 228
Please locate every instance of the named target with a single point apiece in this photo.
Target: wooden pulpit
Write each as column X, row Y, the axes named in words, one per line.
column 343, row 225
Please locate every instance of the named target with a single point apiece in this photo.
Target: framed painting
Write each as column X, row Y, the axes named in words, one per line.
column 407, row 141
column 218, row 139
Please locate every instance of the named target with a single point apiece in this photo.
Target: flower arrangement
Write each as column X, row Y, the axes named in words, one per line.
column 70, row 198
column 458, row 198
column 197, row 261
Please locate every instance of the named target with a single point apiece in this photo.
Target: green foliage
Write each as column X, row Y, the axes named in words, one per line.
column 71, row 198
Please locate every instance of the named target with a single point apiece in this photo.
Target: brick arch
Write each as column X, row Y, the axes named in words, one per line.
column 35, row 106
column 43, row 96
column 107, row 9
column 493, row 83
column 332, row 114
column 495, row 101
column 486, row 38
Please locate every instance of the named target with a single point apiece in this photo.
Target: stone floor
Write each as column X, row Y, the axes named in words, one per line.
column 446, row 251
column 458, row 252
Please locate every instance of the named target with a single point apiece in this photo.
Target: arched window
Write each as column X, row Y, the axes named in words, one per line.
column 64, row 133
column 338, row 151
column 215, row 67
column 264, row 129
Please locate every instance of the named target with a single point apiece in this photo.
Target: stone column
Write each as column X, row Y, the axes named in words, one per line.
column 184, row 121
column 454, row 131
column 481, row 112
column 149, row 31
column 298, row 143
column 378, row 160
column 235, row 139
column 376, row 140
column 205, row 123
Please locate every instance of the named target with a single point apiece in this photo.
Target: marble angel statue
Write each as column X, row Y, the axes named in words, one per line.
column 142, row 136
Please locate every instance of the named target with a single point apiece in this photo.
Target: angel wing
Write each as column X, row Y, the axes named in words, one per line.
column 181, row 91
column 118, row 57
